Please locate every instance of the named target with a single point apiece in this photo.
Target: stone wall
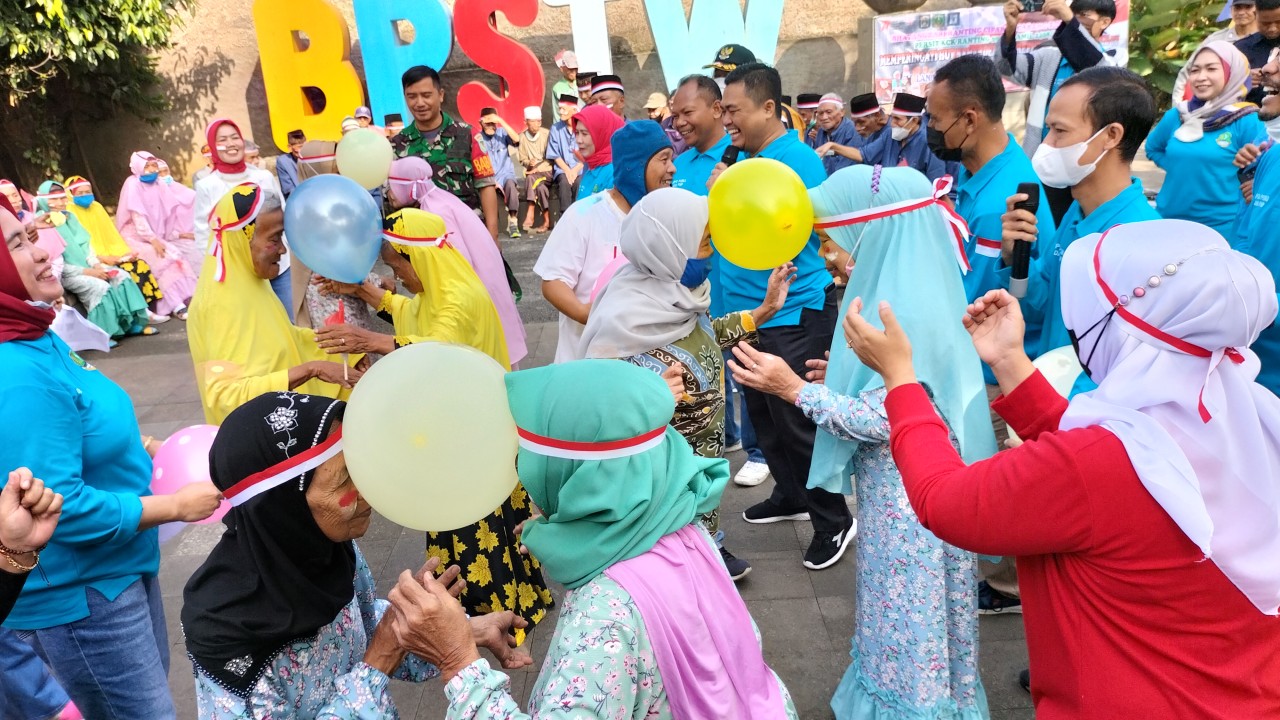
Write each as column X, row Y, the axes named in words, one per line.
column 213, row 70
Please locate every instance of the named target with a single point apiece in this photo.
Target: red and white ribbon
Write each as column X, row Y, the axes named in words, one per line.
column 941, row 187
column 606, row 85
column 318, row 158
column 418, row 187
column 77, row 185
column 218, row 228
column 1215, row 356
column 604, row 450
column 282, row 472
column 436, row 242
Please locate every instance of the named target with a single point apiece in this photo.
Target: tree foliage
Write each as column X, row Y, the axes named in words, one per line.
column 63, row 61
column 1164, row 33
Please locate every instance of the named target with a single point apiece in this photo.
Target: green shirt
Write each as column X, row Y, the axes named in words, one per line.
column 458, row 163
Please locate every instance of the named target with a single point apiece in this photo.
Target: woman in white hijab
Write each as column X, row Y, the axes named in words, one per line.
column 1145, row 515
column 644, row 315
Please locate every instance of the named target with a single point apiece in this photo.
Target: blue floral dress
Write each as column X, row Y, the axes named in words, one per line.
column 915, row 649
column 600, row 665
column 324, row 677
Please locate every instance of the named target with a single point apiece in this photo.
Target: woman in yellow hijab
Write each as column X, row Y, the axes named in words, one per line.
column 450, row 304
column 109, row 245
column 242, row 342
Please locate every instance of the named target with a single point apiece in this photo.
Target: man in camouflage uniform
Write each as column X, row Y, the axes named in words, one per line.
column 458, row 163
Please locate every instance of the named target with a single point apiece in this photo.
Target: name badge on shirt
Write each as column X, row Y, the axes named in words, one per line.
column 1224, row 140
column 75, row 358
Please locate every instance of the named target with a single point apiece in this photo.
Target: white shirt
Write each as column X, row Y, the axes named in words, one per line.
column 211, row 188
column 581, row 245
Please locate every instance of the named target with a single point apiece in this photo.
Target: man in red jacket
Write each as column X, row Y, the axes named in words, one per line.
column 1144, row 515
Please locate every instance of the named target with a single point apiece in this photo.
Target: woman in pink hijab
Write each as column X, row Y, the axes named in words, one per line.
column 411, row 184
column 143, row 218
column 181, row 216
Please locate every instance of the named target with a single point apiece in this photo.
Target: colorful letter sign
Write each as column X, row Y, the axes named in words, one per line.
column 305, row 44
column 515, row 64
column 685, row 47
column 387, row 56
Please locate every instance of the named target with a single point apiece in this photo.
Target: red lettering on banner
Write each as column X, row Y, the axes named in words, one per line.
column 519, row 71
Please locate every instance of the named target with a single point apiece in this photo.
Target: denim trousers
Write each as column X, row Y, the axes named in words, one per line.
column 115, row 663
column 27, row 690
column 283, row 289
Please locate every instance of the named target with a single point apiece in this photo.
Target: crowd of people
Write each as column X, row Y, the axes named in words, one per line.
column 1137, row 519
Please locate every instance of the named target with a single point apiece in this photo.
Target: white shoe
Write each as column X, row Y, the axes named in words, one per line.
column 752, row 474
column 157, row 319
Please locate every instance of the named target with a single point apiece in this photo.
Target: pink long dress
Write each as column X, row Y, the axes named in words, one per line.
column 143, row 219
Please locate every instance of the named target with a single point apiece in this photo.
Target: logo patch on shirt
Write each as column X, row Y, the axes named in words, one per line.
column 1224, row 140
column 75, row 358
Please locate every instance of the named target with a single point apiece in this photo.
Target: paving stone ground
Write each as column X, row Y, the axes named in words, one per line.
column 806, row 617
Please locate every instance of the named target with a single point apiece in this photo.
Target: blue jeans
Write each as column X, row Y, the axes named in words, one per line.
column 284, row 290
column 27, row 690
column 114, row 663
column 737, row 423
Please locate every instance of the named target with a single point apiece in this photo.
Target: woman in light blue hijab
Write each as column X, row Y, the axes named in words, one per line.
column 915, row 649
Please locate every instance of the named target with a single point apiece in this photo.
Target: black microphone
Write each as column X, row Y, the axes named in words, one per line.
column 1022, row 248
column 730, row 155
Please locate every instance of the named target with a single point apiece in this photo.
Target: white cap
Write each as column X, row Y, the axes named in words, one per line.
column 831, row 99
column 567, row 58
column 533, row 112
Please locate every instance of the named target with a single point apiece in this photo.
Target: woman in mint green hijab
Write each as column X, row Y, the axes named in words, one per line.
column 652, row 627
column 915, row 648
column 113, row 304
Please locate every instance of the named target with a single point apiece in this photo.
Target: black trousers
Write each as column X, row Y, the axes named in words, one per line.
column 784, row 433
column 566, row 190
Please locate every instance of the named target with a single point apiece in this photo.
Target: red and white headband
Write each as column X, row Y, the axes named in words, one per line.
column 78, row 184
column 282, row 472
column 606, row 85
column 218, row 227
column 868, row 112
column 941, row 187
column 435, row 242
column 603, row 450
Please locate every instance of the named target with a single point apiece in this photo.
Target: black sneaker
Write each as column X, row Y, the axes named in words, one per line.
column 766, row 512
column 1024, row 679
column 994, row 602
column 827, row 548
column 737, row 567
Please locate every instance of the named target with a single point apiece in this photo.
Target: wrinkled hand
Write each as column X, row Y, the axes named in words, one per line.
column 764, row 372
column 519, row 531
column 333, row 287
column 674, row 377
column 96, row 273
column 775, row 295
column 197, row 501
column 450, row 578
column 431, row 624
column 364, row 363
column 995, row 323
column 825, row 149
column 813, row 133
column 1016, row 224
column 29, row 512
column 158, row 246
column 887, row 352
column 818, row 368
column 345, row 338
column 1247, row 155
column 332, row 372
column 494, row 633
column 715, row 174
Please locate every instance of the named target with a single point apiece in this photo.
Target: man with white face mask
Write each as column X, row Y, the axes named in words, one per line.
column 1095, row 124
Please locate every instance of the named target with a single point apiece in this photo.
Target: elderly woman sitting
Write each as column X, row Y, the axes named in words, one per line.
column 652, row 626
column 281, row 619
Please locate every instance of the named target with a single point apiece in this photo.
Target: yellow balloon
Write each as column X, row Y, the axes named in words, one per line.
column 429, row 438
column 365, row 156
column 761, row 216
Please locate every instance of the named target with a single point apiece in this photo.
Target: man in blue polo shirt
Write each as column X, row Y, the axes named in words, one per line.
column 801, row 331
column 965, row 108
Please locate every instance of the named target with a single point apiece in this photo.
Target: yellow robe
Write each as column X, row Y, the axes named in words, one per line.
column 454, row 305
column 242, row 342
column 103, row 235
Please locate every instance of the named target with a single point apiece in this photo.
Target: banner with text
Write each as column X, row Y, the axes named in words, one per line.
column 910, row 47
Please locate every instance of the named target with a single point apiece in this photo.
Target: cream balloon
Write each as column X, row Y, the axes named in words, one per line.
column 429, row 438
column 1060, row 367
column 365, row 156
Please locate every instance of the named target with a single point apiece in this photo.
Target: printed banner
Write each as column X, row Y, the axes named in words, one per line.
column 910, row 47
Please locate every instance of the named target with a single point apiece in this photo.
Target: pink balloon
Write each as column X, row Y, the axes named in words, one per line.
column 183, row 459
column 607, row 274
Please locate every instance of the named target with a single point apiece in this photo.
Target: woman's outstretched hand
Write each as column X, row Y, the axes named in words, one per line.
column 764, row 372
column 430, row 623
column 887, row 352
column 995, row 323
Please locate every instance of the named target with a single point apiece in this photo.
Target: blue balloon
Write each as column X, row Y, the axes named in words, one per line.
column 335, row 227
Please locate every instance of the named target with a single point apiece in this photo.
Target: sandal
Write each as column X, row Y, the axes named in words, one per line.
column 147, row 330
column 180, row 314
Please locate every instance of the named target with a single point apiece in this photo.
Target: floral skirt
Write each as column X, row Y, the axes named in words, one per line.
column 498, row 576
column 141, row 273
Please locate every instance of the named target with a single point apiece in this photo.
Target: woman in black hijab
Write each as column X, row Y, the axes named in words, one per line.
column 281, row 620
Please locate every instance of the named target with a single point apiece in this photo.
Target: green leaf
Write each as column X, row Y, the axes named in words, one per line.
column 1140, row 64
